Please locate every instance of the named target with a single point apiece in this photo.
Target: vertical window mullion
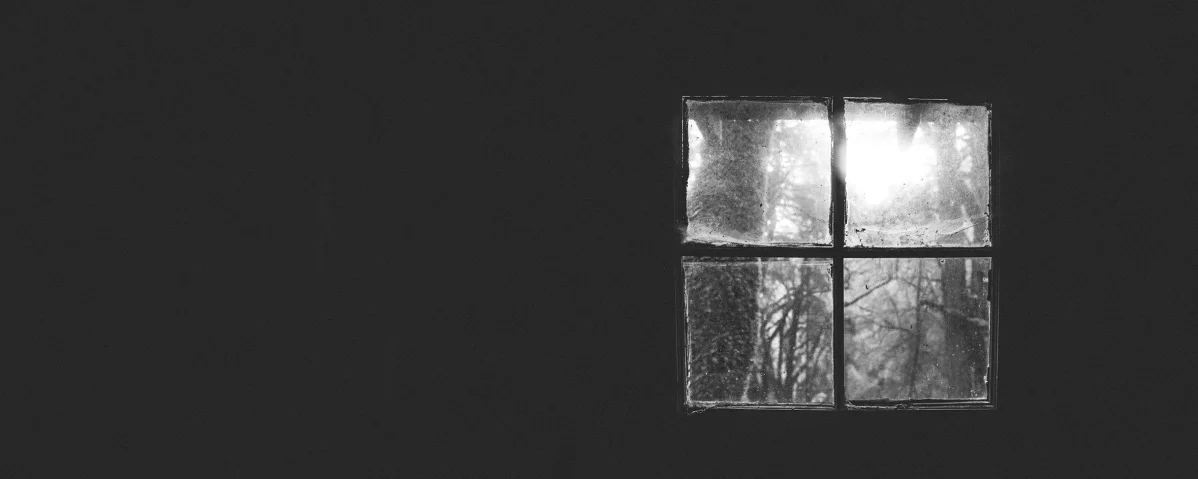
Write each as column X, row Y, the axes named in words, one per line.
column 839, row 201
column 838, row 220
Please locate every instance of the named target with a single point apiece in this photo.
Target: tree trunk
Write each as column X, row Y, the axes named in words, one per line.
column 959, row 350
column 722, row 301
column 760, row 371
column 917, row 336
column 963, row 356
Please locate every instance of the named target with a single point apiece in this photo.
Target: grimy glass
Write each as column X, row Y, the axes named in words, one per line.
column 836, row 253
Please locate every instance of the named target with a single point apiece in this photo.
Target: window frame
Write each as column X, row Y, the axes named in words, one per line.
column 837, row 252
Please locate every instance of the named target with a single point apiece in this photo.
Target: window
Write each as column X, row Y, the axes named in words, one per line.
column 836, row 254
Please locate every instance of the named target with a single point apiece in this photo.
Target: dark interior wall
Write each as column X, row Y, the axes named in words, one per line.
column 490, row 293
column 579, row 361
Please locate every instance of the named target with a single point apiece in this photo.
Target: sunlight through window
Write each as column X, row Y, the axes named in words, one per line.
column 878, row 166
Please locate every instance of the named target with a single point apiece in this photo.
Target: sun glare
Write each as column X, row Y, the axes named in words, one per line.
column 877, row 167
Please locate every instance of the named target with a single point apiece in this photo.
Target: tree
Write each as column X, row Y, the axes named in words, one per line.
column 725, row 201
column 963, row 340
column 793, row 347
column 918, row 328
column 957, row 196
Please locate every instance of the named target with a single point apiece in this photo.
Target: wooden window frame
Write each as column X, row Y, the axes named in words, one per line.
column 837, row 253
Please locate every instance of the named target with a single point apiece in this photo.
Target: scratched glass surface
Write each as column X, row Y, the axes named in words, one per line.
column 917, row 175
column 760, row 172
column 759, row 330
column 916, row 328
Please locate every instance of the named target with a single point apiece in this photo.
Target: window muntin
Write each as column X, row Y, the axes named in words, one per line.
column 907, row 202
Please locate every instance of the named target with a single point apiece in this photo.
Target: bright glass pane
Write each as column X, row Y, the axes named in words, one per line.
column 759, row 330
column 760, row 172
column 916, row 328
column 917, row 175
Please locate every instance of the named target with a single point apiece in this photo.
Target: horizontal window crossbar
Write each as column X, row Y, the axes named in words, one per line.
column 918, row 404
column 700, row 407
column 913, row 100
column 858, row 405
column 793, row 98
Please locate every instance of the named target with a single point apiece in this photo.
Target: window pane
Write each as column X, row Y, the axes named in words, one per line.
column 917, row 175
column 916, row 328
column 760, row 172
column 759, row 330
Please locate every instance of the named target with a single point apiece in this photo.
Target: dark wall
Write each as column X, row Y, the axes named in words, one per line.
column 579, row 361
column 488, row 292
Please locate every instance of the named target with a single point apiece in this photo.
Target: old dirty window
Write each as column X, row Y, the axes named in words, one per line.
column 836, row 253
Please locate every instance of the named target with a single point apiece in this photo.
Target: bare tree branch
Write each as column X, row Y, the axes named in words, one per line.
column 867, row 293
column 956, row 312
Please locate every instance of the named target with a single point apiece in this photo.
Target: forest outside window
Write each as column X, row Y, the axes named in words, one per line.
column 836, row 253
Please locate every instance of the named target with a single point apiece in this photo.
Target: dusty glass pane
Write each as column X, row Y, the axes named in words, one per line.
column 916, row 328
column 759, row 330
column 760, row 172
column 917, row 175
